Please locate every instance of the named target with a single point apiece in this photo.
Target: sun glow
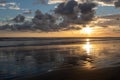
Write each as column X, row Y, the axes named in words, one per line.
column 87, row 30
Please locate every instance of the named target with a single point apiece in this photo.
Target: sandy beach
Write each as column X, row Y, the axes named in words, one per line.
column 79, row 74
column 91, row 59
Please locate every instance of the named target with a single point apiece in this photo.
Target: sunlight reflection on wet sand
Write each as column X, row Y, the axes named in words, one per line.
column 40, row 59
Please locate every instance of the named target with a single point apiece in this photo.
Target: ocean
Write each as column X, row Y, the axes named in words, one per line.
column 21, row 57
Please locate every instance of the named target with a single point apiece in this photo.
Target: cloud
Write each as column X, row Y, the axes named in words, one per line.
column 55, row 1
column 66, row 16
column 74, row 12
column 9, row 5
column 87, row 10
column 28, row 18
column 27, row 11
column 104, row 4
column 66, row 8
column 19, row 18
column 2, row 4
column 99, row 2
column 12, row 6
column 15, row 7
column 117, row 4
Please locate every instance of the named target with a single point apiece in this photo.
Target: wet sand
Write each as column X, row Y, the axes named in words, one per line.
column 79, row 74
column 90, row 60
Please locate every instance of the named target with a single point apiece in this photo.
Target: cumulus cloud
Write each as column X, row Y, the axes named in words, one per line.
column 71, row 10
column 87, row 10
column 19, row 18
column 117, row 3
column 65, row 16
column 66, row 8
column 100, row 2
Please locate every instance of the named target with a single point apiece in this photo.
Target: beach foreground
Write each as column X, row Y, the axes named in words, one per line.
column 89, row 59
column 79, row 74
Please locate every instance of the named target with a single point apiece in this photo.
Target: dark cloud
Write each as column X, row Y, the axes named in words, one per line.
column 38, row 14
column 117, row 4
column 2, row 1
column 46, row 22
column 101, row 2
column 87, row 10
column 72, row 9
column 86, row 7
column 66, row 8
column 19, row 18
column 62, row 19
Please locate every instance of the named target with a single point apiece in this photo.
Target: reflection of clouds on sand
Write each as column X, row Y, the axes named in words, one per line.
column 102, row 54
column 105, row 55
column 88, row 65
column 88, row 55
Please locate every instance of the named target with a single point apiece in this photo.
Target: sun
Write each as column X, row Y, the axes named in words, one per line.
column 87, row 30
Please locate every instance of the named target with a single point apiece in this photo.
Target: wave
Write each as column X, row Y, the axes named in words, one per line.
column 15, row 42
column 55, row 38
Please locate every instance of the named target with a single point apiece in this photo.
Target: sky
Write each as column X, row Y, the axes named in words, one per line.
column 15, row 7
column 11, row 8
column 21, row 6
